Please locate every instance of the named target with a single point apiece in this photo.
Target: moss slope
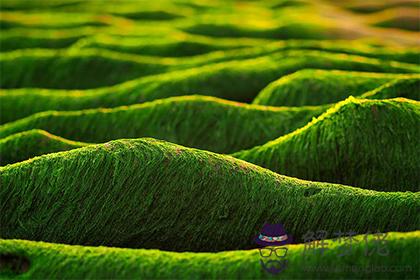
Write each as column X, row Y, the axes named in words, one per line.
column 90, row 68
column 105, row 262
column 179, row 44
column 193, row 45
column 148, row 193
column 401, row 87
column 73, row 69
column 234, row 80
column 347, row 145
column 314, row 87
column 195, row 121
column 25, row 145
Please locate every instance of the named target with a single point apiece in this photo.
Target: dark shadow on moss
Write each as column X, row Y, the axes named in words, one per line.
column 14, row 263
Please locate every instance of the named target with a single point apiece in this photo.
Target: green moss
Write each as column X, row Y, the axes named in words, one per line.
column 13, row 5
column 13, row 40
column 73, row 69
column 174, row 43
column 48, row 20
column 285, row 31
column 173, row 46
column 195, row 121
column 154, row 194
column 233, row 80
column 401, row 87
column 183, row 45
column 94, row 68
column 315, row 87
column 363, row 143
column 42, row 260
column 25, row 145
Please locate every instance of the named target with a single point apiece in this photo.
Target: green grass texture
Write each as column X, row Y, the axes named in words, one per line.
column 14, row 40
column 195, row 45
column 234, row 80
column 346, row 145
column 180, row 44
column 147, row 193
column 227, row 26
column 28, row 144
column 315, row 87
column 400, row 87
column 207, row 123
column 90, row 68
column 32, row 260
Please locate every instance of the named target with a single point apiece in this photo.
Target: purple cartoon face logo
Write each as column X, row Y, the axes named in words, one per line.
column 272, row 254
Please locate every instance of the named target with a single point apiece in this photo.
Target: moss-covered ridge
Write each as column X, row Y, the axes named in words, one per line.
column 194, row 121
column 105, row 262
column 315, row 87
column 90, row 68
column 196, row 45
column 23, row 40
column 148, row 193
column 180, row 44
column 74, row 69
column 233, row 80
column 173, row 46
column 347, row 144
column 28, row 144
column 406, row 87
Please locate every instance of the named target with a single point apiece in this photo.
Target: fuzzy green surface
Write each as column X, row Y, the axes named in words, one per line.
column 28, row 144
column 92, row 68
column 195, row 45
column 212, row 24
column 146, row 193
column 73, row 70
column 194, row 121
column 346, row 145
column 176, row 46
column 400, row 87
column 315, row 87
column 233, row 80
column 179, row 44
column 13, row 40
column 48, row 260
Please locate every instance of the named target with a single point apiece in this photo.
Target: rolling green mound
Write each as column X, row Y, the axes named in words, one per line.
column 194, row 45
column 30, row 260
column 13, row 40
column 56, row 20
column 87, row 69
column 315, row 87
column 234, row 80
column 293, row 30
column 349, row 144
column 92, row 68
column 148, row 193
column 157, row 139
column 30, row 5
column 179, row 44
column 25, row 145
column 195, row 121
column 176, row 46
column 401, row 87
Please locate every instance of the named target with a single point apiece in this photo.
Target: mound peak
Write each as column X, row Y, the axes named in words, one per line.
column 147, row 193
column 348, row 144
